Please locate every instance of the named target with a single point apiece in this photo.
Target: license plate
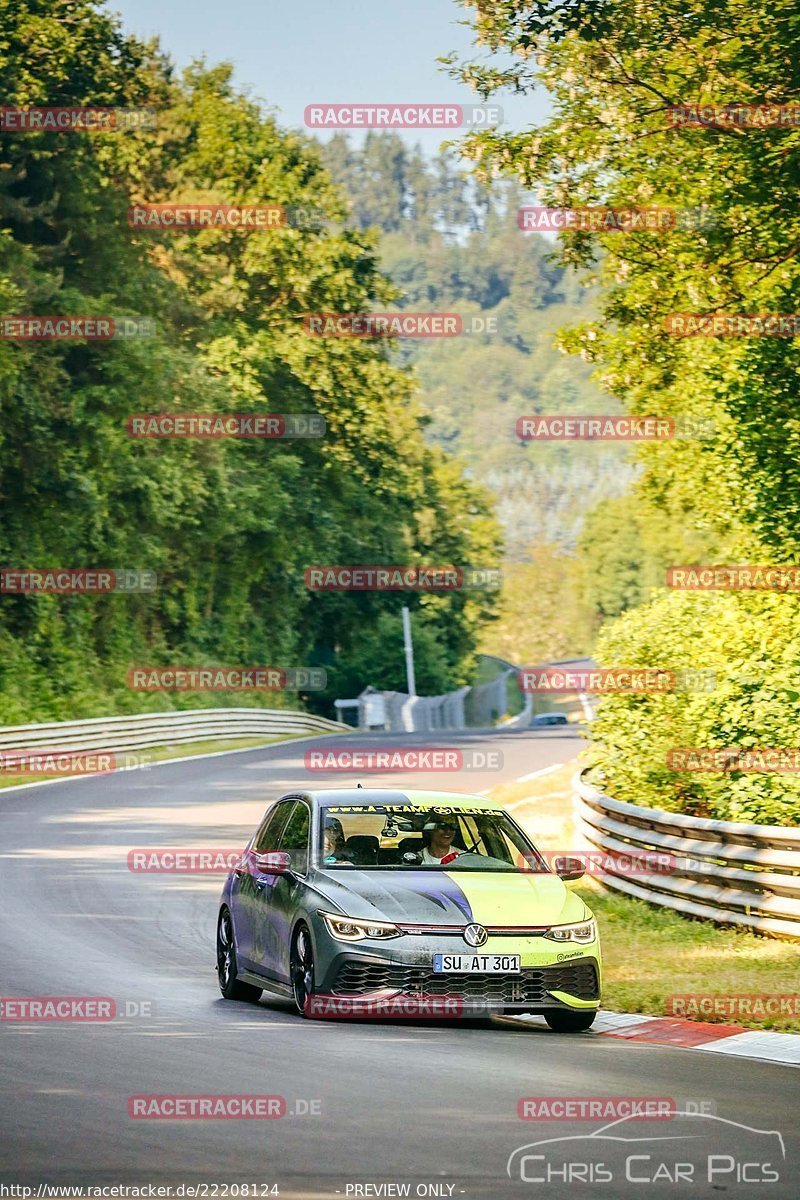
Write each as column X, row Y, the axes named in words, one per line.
column 476, row 964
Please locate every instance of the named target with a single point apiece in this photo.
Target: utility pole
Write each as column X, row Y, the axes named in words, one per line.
column 409, row 647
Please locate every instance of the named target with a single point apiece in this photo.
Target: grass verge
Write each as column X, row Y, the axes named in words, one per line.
column 650, row 953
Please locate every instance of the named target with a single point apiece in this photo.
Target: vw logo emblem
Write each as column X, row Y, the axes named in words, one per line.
column 475, row 935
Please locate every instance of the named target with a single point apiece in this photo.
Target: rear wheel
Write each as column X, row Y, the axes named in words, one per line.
column 562, row 1020
column 229, row 985
column 301, row 969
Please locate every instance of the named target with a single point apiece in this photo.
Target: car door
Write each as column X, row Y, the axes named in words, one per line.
column 278, row 895
column 245, row 887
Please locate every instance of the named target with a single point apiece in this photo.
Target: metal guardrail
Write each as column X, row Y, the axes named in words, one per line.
column 423, row 714
column 730, row 873
column 143, row 730
column 478, row 706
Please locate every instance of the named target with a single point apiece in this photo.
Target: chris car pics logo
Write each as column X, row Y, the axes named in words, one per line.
column 695, row 1148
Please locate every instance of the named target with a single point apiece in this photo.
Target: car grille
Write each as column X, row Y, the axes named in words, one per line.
column 531, row 986
column 492, row 930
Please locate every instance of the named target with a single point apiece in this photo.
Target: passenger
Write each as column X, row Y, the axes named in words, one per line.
column 334, row 849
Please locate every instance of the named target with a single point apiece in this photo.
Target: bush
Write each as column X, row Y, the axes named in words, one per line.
column 751, row 642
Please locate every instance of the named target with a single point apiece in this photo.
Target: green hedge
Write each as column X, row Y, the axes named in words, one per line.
column 752, row 644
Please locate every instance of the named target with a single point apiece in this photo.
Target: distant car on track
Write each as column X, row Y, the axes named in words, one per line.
column 362, row 894
column 548, row 719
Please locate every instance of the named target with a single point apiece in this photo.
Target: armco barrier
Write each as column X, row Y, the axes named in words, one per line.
column 476, row 707
column 746, row 875
column 162, row 729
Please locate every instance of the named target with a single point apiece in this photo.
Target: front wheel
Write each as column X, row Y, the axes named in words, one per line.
column 562, row 1020
column 229, row 985
column 301, row 970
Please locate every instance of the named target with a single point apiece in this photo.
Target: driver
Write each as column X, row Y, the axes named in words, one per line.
column 334, row 849
column 437, row 840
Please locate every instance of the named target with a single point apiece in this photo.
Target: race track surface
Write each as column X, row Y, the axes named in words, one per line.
column 429, row 1105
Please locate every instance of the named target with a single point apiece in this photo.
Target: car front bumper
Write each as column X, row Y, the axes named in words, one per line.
column 552, row 976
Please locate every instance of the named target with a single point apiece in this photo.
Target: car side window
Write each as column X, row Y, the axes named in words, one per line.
column 294, row 839
column 270, row 831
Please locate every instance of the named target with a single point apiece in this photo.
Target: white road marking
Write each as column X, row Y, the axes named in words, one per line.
column 536, row 774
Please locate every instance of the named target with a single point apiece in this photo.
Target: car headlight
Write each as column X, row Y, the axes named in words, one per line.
column 352, row 929
column 586, row 931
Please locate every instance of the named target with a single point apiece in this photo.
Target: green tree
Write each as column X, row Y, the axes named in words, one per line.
column 613, row 72
column 626, row 547
column 475, row 387
column 542, row 616
column 228, row 526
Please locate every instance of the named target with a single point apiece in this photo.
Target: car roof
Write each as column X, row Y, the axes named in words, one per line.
column 339, row 796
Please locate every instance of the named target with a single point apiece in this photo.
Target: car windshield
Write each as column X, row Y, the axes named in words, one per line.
column 411, row 837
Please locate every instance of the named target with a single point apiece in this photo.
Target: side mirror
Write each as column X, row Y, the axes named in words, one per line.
column 273, row 862
column 568, row 868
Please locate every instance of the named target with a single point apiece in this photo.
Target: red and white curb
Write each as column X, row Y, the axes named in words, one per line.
column 693, row 1035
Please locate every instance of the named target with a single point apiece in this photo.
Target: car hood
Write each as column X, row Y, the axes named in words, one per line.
column 451, row 898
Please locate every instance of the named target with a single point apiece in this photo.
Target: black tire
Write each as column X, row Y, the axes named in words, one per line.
column 231, row 987
column 562, row 1020
column 301, row 969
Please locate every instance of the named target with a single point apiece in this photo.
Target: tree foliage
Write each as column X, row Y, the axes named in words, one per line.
column 614, row 72
column 736, row 660
column 228, row 526
column 452, row 244
column 542, row 615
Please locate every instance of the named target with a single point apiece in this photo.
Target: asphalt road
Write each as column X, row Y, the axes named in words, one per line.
column 373, row 1107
